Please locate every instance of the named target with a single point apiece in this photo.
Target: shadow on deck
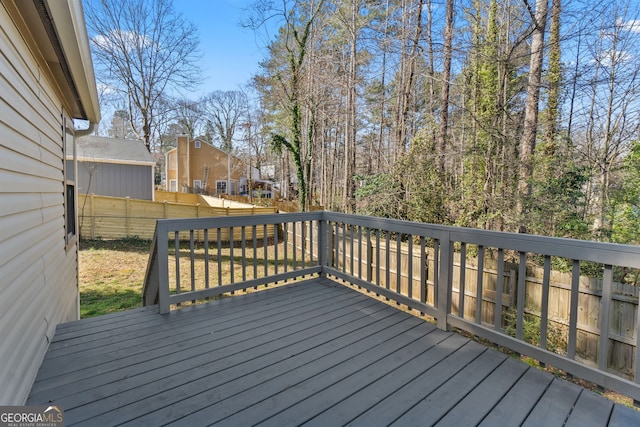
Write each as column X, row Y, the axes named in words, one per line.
column 313, row 353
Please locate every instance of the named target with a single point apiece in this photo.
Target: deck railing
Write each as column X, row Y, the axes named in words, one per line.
column 481, row 282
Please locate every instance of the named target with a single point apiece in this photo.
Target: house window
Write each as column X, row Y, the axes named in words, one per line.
column 173, row 185
column 221, row 187
column 197, row 186
column 69, row 176
column 197, row 143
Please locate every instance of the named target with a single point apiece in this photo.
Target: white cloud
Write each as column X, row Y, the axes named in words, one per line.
column 122, row 39
column 632, row 25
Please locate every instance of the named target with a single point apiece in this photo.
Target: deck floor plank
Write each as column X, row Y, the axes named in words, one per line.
column 514, row 408
column 152, row 352
column 481, row 400
column 419, row 354
column 555, row 405
column 590, row 408
column 316, row 353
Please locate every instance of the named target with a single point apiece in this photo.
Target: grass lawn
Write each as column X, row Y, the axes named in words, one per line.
column 111, row 275
column 112, row 271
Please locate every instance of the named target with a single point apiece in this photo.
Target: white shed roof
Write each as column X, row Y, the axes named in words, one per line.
column 113, row 150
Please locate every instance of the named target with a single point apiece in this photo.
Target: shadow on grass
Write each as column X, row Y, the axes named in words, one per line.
column 96, row 302
column 130, row 244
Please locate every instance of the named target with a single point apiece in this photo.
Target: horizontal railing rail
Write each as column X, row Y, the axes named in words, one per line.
column 530, row 294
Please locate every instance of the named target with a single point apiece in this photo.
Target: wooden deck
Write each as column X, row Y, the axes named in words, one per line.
column 313, row 353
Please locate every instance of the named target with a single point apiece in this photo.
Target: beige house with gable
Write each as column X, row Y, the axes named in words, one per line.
column 46, row 81
column 195, row 166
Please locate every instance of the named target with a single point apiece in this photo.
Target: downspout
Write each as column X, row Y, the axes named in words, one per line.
column 84, row 132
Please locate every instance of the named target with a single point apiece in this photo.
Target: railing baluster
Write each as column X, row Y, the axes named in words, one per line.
column 311, row 242
column 423, row 270
column 410, row 268
column 303, row 236
column 266, row 250
column 275, row 248
column 544, row 315
column 573, row 310
column 231, row 257
column 192, row 262
column 368, row 254
column 398, row 262
column 359, row 252
column 177, row 249
column 351, row 271
column 463, row 278
column 479, row 284
column 254, row 231
column 206, row 258
column 243, row 237
column 378, row 257
column 497, row 319
column 285, row 227
column 219, row 233
column 522, row 276
column 436, row 272
column 336, row 246
column 603, row 345
column 387, row 242
column 295, row 246
column 344, row 247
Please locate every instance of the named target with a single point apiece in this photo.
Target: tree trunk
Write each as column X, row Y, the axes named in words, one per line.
column 444, row 98
column 528, row 141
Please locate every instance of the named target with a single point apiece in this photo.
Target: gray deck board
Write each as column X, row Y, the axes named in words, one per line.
column 555, row 405
column 313, row 353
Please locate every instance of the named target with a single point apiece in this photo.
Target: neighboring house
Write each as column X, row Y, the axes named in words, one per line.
column 46, row 80
column 115, row 167
column 196, row 166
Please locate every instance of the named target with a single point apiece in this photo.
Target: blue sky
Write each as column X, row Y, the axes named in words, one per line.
column 230, row 53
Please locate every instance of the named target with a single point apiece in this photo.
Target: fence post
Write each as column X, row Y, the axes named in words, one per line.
column 322, row 245
column 127, row 214
column 162, row 244
column 92, row 210
column 444, row 281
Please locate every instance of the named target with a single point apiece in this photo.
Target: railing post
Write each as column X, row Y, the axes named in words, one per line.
column 162, row 242
column 444, row 281
column 322, row 245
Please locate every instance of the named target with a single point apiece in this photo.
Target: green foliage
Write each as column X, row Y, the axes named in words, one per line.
column 557, row 205
column 380, row 195
column 626, row 200
column 556, row 336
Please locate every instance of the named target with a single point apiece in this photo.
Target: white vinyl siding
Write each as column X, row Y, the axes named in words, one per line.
column 38, row 277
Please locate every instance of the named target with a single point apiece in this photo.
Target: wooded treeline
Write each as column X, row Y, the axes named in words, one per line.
column 518, row 115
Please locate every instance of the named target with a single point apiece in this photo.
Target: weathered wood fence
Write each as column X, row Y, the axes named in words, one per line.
column 117, row 218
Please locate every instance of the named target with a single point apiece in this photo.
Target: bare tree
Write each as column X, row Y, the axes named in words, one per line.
column 142, row 49
column 225, row 110
column 528, row 141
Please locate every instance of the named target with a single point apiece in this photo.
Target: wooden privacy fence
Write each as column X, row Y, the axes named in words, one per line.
column 117, row 218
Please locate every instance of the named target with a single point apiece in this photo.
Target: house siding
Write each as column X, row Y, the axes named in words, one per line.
column 38, row 271
column 116, row 180
column 191, row 163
